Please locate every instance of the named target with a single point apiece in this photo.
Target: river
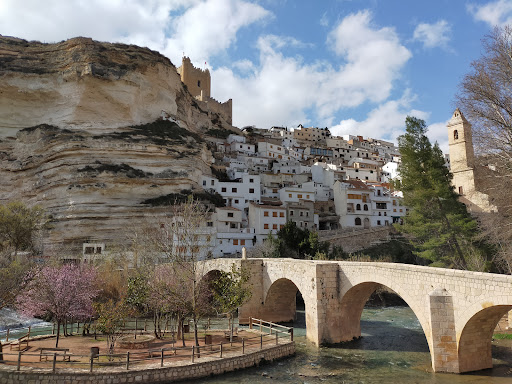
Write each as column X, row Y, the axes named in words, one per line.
column 393, row 349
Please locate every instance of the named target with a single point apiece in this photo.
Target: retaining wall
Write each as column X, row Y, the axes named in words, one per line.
column 9, row 375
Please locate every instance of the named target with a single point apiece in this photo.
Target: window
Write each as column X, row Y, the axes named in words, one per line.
column 212, row 182
column 198, row 83
column 251, row 190
column 209, row 224
column 394, row 202
column 281, row 226
column 235, row 241
column 230, row 214
column 240, row 146
column 204, row 183
column 301, row 213
column 307, row 196
column 299, row 196
column 378, row 192
column 378, row 222
column 358, row 221
column 234, row 190
column 358, row 207
column 274, row 214
column 281, row 214
column 289, row 195
column 455, row 135
column 381, row 205
column 236, row 201
column 291, row 213
column 265, row 226
column 223, row 189
column 265, row 213
column 251, row 180
column 274, row 226
column 242, row 242
column 385, row 213
column 461, row 192
column 365, row 207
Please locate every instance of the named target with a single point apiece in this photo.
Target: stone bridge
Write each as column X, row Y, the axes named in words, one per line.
column 458, row 310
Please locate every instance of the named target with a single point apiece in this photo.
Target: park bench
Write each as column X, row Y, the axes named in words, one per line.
column 158, row 352
column 49, row 352
column 228, row 333
column 21, row 344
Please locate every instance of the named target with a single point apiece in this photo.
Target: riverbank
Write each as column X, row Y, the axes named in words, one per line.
column 156, row 366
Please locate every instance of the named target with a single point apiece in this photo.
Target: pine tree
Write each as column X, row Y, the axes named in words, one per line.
column 441, row 228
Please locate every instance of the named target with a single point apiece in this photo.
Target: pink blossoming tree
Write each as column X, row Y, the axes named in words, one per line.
column 60, row 293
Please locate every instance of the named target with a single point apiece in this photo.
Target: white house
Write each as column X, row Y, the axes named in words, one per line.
column 266, row 219
column 230, row 236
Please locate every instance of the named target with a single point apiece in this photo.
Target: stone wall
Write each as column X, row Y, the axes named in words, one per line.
column 9, row 375
column 355, row 240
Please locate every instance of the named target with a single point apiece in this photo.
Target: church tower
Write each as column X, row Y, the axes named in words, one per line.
column 462, row 164
column 462, row 155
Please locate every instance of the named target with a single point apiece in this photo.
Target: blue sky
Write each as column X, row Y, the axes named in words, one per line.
column 355, row 66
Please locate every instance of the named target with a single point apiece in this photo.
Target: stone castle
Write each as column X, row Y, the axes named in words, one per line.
column 198, row 82
column 462, row 163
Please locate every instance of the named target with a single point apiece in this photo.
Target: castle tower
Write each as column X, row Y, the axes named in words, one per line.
column 197, row 80
column 461, row 153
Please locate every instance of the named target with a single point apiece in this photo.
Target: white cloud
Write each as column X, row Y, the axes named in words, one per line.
column 284, row 90
column 495, row 13
column 210, row 27
column 324, row 20
column 200, row 28
column 438, row 132
column 387, row 121
column 433, row 35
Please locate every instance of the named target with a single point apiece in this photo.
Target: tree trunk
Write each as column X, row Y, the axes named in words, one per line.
column 58, row 332
column 155, row 320
column 196, row 338
column 1, row 352
column 231, row 323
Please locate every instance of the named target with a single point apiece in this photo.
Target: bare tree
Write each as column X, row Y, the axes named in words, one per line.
column 182, row 239
column 485, row 96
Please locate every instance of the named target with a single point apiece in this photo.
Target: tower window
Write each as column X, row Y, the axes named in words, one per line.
column 461, row 192
column 455, row 135
column 198, row 83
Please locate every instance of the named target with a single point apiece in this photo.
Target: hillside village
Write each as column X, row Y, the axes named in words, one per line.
column 267, row 177
column 306, row 175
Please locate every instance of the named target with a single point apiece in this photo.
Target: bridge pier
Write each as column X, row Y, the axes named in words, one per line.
column 443, row 338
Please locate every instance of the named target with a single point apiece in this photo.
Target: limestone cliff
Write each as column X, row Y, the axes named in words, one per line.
column 80, row 134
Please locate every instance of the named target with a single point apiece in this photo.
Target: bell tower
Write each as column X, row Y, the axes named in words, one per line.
column 462, row 156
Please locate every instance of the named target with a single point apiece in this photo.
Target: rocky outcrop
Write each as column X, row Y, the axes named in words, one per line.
column 80, row 134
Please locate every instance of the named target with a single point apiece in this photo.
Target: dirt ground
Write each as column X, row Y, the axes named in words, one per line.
column 80, row 350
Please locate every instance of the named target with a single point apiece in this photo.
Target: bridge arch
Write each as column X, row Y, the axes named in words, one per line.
column 474, row 344
column 355, row 297
column 280, row 301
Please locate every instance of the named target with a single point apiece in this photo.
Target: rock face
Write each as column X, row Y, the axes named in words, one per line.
column 80, row 134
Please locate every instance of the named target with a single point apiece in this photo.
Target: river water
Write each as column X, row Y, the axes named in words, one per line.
column 393, row 349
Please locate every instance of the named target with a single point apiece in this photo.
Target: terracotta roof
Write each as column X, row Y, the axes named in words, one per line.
column 267, row 206
column 356, row 184
column 228, row 208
